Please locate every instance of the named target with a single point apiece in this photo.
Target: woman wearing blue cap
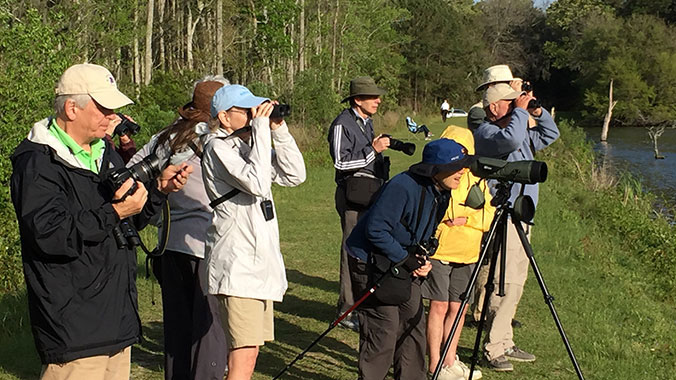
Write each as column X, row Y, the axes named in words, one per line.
column 390, row 245
column 245, row 267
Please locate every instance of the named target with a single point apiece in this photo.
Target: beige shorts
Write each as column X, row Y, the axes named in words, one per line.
column 102, row 367
column 246, row 321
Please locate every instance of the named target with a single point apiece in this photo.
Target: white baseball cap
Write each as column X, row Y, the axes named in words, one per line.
column 95, row 81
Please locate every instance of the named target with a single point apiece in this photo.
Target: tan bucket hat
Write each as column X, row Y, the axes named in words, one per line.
column 496, row 74
column 95, row 81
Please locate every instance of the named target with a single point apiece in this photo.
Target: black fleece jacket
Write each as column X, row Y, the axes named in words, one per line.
column 81, row 287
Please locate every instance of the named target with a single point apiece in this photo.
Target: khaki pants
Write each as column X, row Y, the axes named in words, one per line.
column 502, row 309
column 103, row 367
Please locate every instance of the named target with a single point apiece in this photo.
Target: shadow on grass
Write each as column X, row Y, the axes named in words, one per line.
column 305, row 308
column 322, row 362
column 301, row 278
column 149, row 353
column 17, row 351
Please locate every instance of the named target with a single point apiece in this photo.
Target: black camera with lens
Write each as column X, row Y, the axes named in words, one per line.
column 126, row 127
column 280, row 110
column 144, row 171
column 404, row 147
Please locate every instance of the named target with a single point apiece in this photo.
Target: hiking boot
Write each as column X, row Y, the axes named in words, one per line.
column 459, row 368
column 500, row 364
column 519, row 355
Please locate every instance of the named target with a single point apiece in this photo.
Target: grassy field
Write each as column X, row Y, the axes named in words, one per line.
column 619, row 324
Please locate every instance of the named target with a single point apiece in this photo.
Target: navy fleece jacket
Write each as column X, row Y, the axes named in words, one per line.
column 381, row 229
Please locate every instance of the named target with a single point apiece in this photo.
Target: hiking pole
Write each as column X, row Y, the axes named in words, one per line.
column 332, row 325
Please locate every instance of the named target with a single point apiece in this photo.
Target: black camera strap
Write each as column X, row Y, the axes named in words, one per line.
column 419, row 217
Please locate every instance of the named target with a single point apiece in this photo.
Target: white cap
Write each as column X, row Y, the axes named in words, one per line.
column 500, row 91
column 95, row 81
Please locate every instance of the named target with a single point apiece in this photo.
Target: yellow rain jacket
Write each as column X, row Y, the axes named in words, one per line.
column 461, row 244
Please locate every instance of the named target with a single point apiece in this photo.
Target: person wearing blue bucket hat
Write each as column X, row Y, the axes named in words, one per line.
column 245, row 268
column 395, row 236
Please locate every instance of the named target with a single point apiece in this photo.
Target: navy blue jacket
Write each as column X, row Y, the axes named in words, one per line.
column 382, row 229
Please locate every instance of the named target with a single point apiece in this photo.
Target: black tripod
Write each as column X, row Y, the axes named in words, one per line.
column 496, row 240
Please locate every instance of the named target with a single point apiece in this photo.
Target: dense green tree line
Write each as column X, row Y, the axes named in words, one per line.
column 305, row 51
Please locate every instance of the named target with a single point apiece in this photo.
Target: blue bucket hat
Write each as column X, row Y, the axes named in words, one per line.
column 234, row 95
column 442, row 156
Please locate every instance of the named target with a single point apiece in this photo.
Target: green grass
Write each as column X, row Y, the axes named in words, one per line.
column 620, row 323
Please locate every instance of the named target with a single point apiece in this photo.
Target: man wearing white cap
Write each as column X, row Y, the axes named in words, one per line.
column 79, row 267
column 506, row 135
column 245, row 268
column 492, row 76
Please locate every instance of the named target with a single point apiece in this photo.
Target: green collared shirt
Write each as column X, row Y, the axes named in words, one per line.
column 89, row 160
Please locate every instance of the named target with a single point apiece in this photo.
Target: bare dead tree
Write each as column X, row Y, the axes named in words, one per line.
column 606, row 120
column 655, row 132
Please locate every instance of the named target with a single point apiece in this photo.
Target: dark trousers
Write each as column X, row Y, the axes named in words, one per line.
column 194, row 342
column 389, row 335
column 423, row 128
column 348, row 219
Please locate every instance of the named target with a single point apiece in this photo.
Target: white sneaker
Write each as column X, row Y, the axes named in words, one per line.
column 459, row 368
column 447, row 373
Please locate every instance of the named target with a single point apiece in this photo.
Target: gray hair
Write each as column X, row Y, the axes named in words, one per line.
column 211, row 78
column 81, row 101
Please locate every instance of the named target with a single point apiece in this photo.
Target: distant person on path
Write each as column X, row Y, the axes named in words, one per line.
column 194, row 341
column 445, row 108
column 245, row 268
column 360, row 166
column 80, row 269
column 506, row 135
column 393, row 239
column 459, row 235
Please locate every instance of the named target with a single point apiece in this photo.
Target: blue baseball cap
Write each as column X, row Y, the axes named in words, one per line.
column 442, row 156
column 234, row 95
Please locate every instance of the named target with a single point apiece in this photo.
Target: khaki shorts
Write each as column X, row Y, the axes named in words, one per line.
column 246, row 321
column 102, row 367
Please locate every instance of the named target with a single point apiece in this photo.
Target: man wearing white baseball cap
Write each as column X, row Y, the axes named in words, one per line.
column 79, row 267
column 505, row 134
column 245, row 268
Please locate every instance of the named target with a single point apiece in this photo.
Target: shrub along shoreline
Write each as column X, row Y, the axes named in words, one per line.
column 604, row 255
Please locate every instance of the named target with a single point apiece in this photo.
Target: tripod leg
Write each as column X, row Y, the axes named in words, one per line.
column 549, row 299
column 499, row 221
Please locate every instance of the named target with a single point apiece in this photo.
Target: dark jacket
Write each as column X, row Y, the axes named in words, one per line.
column 81, row 286
column 351, row 147
column 383, row 228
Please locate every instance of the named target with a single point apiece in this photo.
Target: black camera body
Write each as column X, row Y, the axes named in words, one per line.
column 145, row 170
column 126, row 127
column 280, row 110
column 404, row 147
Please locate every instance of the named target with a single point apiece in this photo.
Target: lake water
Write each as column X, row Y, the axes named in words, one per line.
column 632, row 149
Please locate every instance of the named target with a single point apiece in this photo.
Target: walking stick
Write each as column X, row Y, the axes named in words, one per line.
column 332, row 325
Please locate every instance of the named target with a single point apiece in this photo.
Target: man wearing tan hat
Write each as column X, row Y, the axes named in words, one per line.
column 79, row 266
column 505, row 134
column 360, row 170
column 492, row 75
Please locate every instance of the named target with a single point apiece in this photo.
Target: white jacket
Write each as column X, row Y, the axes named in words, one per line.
column 242, row 248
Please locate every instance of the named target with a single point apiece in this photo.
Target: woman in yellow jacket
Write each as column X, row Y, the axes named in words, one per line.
column 459, row 235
